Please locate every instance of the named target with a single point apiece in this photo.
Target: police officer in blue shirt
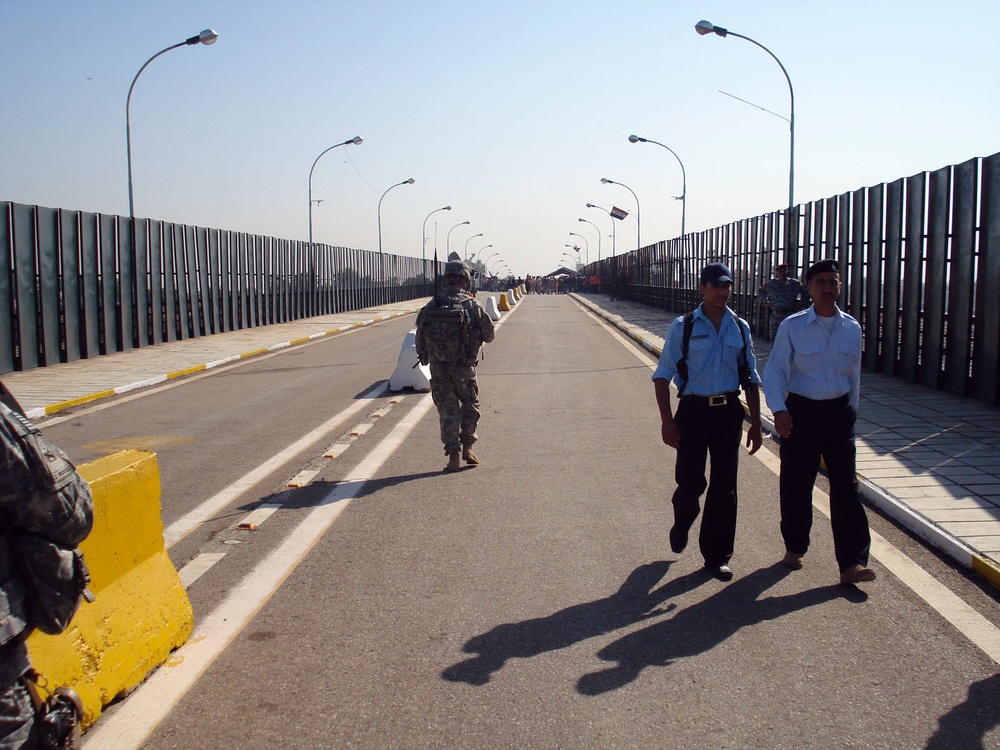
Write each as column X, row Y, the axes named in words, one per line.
column 812, row 382
column 709, row 416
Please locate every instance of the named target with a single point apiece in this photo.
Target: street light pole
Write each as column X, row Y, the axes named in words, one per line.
column 423, row 243
column 638, row 235
column 614, row 238
column 598, row 237
column 683, row 196
column 404, row 182
column 448, row 236
column 206, row 37
column 706, row 27
column 465, row 251
column 356, row 140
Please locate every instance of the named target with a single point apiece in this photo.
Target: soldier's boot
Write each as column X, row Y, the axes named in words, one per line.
column 468, row 455
column 454, row 464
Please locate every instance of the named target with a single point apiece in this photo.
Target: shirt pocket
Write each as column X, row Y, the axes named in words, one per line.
column 848, row 356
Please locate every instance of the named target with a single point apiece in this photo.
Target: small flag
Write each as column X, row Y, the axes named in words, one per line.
column 618, row 213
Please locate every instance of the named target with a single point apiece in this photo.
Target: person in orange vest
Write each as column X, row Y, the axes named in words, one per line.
column 595, row 284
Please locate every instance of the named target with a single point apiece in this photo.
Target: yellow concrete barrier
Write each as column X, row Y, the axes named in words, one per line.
column 517, row 292
column 141, row 612
column 503, row 305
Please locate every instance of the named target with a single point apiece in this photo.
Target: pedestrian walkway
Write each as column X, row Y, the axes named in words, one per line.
column 926, row 458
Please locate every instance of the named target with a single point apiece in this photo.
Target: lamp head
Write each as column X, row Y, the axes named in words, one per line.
column 591, row 205
column 606, row 181
column 409, row 181
column 467, row 222
column 446, row 208
column 706, row 27
column 208, row 36
column 356, row 140
column 635, row 139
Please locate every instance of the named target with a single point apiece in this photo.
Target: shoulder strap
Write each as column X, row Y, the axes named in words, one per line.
column 682, row 366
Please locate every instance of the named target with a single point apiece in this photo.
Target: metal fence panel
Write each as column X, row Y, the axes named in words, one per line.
column 986, row 364
column 7, row 309
column 71, row 284
column 961, row 284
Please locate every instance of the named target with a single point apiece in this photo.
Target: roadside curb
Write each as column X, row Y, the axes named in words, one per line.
column 917, row 524
column 119, row 390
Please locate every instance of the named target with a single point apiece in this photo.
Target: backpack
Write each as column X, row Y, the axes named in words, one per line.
column 446, row 328
column 51, row 567
column 682, row 368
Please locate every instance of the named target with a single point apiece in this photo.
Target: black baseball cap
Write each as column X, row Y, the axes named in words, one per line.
column 715, row 274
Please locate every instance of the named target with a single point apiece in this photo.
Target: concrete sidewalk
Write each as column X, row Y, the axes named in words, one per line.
column 926, row 458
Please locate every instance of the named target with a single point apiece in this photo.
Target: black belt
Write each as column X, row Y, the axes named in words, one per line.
column 828, row 403
column 720, row 399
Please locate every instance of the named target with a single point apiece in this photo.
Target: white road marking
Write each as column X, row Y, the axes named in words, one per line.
column 147, row 707
column 303, row 478
column 199, row 565
column 980, row 631
column 194, row 518
column 261, row 514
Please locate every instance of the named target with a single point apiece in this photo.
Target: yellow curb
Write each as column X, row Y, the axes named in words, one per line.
column 53, row 408
column 185, row 371
column 987, row 569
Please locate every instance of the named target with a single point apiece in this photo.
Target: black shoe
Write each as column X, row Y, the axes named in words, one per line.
column 678, row 539
column 722, row 572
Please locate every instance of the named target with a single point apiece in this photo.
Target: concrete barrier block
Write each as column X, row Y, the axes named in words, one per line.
column 511, row 299
column 504, row 303
column 491, row 308
column 517, row 292
column 141, row 611
column 409, row 373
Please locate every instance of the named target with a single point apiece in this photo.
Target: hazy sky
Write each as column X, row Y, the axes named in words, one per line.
column 510, row 112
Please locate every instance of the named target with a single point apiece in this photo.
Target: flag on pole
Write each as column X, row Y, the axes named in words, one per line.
column 618, row 213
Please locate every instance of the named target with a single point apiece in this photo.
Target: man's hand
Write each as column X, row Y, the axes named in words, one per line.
column 755, row 437
column 670, row 433
column 783, row 423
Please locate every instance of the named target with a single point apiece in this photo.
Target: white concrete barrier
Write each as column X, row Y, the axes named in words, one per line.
column 491, row 308
column 409, row 373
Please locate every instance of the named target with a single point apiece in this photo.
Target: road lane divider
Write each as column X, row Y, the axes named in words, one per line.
column 141, row 612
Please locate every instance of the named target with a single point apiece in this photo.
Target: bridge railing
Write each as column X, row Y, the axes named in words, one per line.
column 920, row 269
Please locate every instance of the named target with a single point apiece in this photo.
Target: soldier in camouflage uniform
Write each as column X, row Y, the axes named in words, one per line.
column 453, row 380
column 26, row 508
column 782, row 296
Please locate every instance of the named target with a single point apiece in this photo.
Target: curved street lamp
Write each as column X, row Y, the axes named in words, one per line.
column 465, row 252
column 497, row 264
column 357, row 141
column 705, row 27
column 404, row 182
column 448, row 237
column 614, row 231
column 598, row 237
column 423, row 234
column 638, row 235
column 489, row 257
column 683, row 196
column 206, row 37
column 481, row 252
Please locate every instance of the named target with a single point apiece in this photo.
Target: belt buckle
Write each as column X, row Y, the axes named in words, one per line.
column 718, row 400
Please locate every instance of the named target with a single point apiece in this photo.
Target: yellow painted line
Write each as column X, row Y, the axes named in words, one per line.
column 53, row 408
column 186, row 371
column 301, row 340
column 987, row 569
column 254, row 353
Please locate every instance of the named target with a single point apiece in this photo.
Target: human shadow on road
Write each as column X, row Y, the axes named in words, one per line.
column 634, row 601
column 703, row 626
column 966, row 724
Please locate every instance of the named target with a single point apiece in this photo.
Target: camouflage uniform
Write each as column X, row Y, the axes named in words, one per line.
column 26, row 507
column 453, row 383
column 784, row 299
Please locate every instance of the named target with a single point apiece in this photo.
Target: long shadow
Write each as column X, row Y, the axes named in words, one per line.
column 703, row 626
column 966, row 724
column 633, row 602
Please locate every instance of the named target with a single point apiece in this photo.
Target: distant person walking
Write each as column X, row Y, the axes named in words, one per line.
column 782, row 297
column 812, row 382
column 451, row 329
column 708, row 354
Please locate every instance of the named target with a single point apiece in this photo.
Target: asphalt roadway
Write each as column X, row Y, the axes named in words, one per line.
column 532, row 601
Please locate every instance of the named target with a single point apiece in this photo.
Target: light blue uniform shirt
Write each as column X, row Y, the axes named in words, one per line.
column 803, row 361
column 712, row 358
